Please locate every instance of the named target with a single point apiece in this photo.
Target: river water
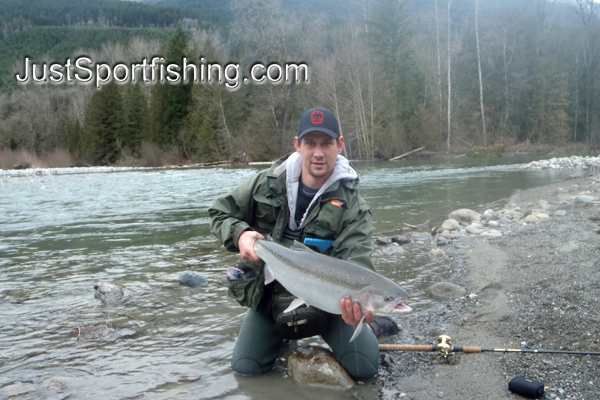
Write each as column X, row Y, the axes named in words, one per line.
column 60, row 234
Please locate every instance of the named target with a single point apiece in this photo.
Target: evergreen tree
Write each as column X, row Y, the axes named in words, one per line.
column 105, row 127
column 170, row 102
column 136, row 114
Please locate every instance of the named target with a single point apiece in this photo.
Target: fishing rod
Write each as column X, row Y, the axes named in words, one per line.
column 445, row 348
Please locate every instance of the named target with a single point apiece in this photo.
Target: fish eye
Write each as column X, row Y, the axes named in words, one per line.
column 388, row 298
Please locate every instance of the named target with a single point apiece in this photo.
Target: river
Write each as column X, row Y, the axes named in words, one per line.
column 60, row 234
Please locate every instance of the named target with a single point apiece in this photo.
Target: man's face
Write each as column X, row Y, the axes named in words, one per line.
column 319, row 153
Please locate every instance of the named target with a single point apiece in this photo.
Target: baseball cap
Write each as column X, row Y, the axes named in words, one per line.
column 321, row 120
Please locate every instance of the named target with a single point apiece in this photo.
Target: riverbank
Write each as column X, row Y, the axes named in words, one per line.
column 537, row 287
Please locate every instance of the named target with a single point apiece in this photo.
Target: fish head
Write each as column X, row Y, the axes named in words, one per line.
column 388, row 299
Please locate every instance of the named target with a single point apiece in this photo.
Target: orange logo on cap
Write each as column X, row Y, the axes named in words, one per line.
column 317, row 117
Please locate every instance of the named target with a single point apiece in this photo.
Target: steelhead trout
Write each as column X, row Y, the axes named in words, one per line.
column 322, row 281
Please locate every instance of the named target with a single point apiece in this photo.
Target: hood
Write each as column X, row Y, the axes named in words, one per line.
column 293, row 165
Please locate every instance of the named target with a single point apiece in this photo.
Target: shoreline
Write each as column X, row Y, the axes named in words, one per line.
column 536, row 287
column 572, row 162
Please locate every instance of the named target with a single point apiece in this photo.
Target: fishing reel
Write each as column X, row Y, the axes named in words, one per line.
column 444, row 346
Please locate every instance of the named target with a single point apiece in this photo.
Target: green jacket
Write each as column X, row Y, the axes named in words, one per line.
column 260, row 204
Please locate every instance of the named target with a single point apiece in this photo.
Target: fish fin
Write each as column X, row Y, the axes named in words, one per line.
column 269, row 277
column 299, row 246
column 358, row 329
column 295, row 304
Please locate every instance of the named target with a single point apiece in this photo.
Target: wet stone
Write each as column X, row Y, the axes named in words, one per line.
column 401, row 239
column 108, row 293
column 192, row 279
column 445, row 290
column 317, row 366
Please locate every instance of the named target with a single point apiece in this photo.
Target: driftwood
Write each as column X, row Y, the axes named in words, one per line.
column 406, row 154
column 417, row 227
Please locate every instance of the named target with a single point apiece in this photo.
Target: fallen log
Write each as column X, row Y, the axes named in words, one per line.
column 406, row 154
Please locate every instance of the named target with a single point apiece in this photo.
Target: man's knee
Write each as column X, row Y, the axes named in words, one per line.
column 360, row 366
column 248, row 367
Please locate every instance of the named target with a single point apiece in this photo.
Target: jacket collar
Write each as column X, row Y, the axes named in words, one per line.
column 287, row 171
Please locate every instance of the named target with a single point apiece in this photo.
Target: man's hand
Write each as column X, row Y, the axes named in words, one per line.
column 246, row 245
column 352, row 313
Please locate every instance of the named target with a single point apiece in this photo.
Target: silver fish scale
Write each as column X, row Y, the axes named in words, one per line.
column 321, row 281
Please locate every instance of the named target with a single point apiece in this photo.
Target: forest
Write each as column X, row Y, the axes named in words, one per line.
column 475, row 77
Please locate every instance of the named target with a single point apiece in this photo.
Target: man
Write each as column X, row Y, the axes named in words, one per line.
column 308, row 194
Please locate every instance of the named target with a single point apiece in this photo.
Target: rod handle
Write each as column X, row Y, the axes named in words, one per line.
column 468, row 349
column 406, row 347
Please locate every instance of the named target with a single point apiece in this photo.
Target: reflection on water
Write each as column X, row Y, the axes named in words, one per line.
column 61, row 234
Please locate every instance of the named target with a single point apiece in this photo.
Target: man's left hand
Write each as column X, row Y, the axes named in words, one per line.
column 352, row 312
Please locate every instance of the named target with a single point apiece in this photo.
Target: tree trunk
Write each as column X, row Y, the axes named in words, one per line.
column 449, row 84
column 479, row 70
column 439, row 70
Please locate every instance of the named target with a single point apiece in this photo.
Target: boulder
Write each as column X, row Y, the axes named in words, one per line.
column 489, row 215
column 438, row 253
column 450, row 225
column 382, row 241
column 492, row 233
column 584, row 200
column 391, row 250
column 473, row 230
column 108, row 293
column 465, row 215
column 442, row 241
column 317, row 366
column 540, row 215
column 445, row 291
column 532, row 219
column 401, row 239
column 192, row 279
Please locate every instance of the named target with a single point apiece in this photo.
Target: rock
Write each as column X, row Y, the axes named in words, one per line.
column 540, row 215
column 450, row 225
column 564, row 204
column 584, row 200
column 494, row 224
column 492, row 233
column 442, row 241
column 445, row 234
column 192, row 279
column 473, row 296
column 383, row 241
column 532, row 219
column 559, row 191
column 464, row 239
column 473, row 230
column 384, row 326
column 560, row 213
column 464, row 215
column 102, row 333
column 401, row 239
column 108, row 293
column 489, row 215
column 544, row 204
column 438, row 253
column 392, row 249
column 445, row 290
column 317, row 366
column 505, row 221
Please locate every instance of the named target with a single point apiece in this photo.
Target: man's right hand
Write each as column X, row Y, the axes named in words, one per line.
column 246, row 245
